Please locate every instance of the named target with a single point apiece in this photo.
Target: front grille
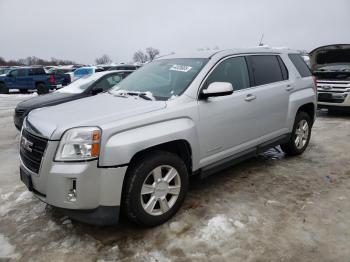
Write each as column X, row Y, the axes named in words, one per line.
column 332, row 84
column 32, row 149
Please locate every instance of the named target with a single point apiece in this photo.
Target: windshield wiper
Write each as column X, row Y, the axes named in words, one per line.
column 124, row 93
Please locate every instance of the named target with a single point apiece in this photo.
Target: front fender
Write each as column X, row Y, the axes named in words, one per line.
column 121, row 147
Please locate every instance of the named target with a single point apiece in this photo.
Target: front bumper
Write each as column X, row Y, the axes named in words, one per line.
column 101, row 216
column 333, row 94
column 97, row 190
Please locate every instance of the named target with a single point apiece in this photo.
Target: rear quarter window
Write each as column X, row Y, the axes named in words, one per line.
column 300, row 65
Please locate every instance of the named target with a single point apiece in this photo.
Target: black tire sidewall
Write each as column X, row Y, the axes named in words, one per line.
column 138, row 174
column 3, row 89
column 300, row 116
column 41, row 89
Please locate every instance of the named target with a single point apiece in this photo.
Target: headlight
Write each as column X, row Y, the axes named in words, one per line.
column 79, row 144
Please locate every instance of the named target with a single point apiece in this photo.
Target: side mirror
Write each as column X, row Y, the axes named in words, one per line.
column 217, row 89
column 96, row 91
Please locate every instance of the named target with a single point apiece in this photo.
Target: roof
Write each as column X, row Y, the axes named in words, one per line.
column 210, row 53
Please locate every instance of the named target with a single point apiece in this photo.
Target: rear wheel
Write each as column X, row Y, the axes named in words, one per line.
column 3, row 89
column 41, row 89
column 300, row 136
column 155, row 188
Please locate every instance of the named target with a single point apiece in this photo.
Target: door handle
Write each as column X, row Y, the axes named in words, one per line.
column 250, row 97
column 289, row 88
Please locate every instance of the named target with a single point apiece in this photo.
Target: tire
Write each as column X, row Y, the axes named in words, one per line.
column 142, row 174
column 3, row 89
column 41, row 89
column 23, row 91
column 296, row 147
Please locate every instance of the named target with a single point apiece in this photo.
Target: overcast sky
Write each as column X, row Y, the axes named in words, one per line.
column 82, row 30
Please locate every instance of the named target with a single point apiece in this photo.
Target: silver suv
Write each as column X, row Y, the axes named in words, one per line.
column 133, row 149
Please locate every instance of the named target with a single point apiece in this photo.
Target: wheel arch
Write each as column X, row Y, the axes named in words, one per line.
column 309, row 109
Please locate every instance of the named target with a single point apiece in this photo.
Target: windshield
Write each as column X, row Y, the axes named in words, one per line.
column 79, row 86
column 4, row 71
column 163, row 79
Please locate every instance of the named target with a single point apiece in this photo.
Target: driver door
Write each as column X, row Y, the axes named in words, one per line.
column 228, row 124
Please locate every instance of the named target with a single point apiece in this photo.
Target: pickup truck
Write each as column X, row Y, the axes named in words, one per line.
column 29, row 78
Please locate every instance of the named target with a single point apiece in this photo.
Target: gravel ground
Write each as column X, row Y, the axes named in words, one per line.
column 270, row 208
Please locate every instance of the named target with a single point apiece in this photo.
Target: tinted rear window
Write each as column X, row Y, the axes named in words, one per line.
column 300, row 65
column 265, row 69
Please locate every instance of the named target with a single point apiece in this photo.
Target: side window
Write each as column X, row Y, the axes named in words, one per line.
column 284, row 69
column 14, row 73
column 233, row 70
column 265, row 69
column 21, row 72
column 114, row 79
column 300, row 65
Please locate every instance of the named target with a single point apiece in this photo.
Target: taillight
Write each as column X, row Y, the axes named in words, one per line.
column 52, row 80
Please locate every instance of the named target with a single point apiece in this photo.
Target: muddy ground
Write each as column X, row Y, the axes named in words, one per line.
column 270, row 208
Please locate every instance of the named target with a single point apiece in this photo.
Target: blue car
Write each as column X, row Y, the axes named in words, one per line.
column 84, row 71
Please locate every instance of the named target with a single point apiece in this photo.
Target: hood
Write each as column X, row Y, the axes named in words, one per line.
column 92, row 111
column 46, row 100
column 331, row 55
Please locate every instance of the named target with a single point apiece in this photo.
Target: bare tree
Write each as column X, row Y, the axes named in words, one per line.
column 152, row 53
column 140, row 57
column 104, row 59
column 33, row 60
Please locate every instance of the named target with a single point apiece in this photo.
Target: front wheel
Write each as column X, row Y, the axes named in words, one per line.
column 3, row 89
column 155, row 188
column 300, row 136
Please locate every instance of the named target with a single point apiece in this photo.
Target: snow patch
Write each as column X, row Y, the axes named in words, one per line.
column 156, row 256
column 178, row 227
column 5, row 208
column 26, row 196
column 219, row 228
column 6, row 249
column 6, row 196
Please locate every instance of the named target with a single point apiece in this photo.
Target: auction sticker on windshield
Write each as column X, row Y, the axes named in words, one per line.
column 180, row 68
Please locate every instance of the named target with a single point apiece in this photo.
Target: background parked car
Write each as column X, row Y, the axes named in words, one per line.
column 331, row 66
column 63, row 72
column 83, row 87
column 124, row 67
column 87, row 70
column 29, row 78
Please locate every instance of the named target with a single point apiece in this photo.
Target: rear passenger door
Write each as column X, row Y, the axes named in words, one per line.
column 270, row 89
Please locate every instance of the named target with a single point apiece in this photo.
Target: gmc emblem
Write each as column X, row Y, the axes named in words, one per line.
column 26, row 144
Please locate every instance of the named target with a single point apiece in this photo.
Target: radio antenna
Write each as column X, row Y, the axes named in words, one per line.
column 261, row 39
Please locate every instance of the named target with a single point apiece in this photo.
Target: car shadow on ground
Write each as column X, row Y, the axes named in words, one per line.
column 238, row 174
column 339, row 113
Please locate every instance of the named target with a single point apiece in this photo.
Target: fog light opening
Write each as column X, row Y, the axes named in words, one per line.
column 72, row 191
